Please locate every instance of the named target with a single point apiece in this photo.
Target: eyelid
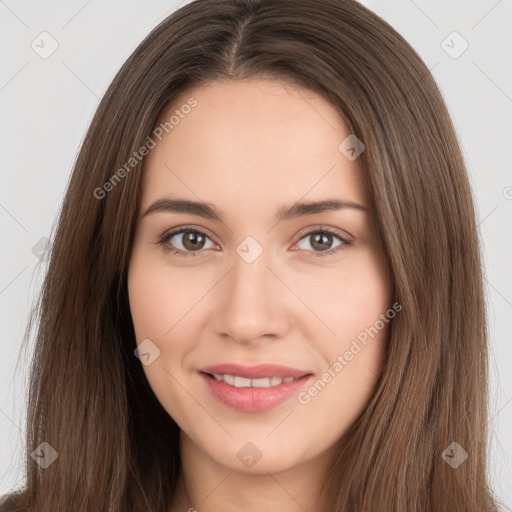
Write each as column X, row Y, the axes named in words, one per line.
column 344, row 235
column 178, row 230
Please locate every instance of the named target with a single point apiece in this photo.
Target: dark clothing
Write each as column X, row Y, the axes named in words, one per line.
column 5, row 506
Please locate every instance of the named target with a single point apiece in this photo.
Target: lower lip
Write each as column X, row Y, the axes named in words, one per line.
column 253, row 399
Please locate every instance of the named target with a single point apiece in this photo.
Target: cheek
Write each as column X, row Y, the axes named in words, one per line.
column 147, row 305
column 154, row 310
column 353, row 304
column 350, row 297
column 366, row 296
column 154, row 296
column 363, row 327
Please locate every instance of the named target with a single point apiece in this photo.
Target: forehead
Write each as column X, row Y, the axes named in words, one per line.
column 251, row 142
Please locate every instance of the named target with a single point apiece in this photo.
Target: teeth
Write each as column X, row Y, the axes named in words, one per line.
column 260, row 383
column 229, row 379
column 242, row 382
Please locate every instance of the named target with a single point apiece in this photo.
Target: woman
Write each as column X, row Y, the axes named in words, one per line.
column 265, row 287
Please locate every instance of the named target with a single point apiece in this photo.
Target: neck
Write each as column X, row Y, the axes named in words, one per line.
column 207, row 486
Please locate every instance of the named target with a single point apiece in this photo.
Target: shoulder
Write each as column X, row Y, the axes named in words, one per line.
column 5, row 504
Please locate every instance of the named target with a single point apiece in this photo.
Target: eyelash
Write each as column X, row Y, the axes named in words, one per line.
column 184, row 254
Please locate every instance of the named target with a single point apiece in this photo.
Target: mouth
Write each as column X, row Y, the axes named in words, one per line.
column 253, row 389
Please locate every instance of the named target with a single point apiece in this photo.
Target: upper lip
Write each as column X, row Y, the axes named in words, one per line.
column 259, row 371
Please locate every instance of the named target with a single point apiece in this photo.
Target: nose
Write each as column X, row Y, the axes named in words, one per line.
column 251, row 303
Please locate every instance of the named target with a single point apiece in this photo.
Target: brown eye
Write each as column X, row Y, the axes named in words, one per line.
column 193, row 240
column 185, row 242
column 321, row 242
column 189, row 242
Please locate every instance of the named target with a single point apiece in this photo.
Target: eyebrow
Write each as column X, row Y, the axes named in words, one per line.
column 289, row 212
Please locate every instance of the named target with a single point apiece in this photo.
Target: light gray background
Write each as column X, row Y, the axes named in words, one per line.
column 47, row 104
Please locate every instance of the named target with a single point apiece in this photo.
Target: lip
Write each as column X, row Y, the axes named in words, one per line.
column 254, row 399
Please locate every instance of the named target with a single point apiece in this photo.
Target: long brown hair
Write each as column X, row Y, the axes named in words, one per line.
column 89, row 399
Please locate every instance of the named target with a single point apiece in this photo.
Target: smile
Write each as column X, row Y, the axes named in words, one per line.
column 253, row 388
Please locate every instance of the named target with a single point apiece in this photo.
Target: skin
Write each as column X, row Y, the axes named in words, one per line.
column 249, row 148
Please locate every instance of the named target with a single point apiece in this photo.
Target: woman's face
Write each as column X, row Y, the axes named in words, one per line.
column 250, row 286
